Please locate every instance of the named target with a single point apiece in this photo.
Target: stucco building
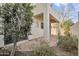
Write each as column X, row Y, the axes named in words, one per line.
column 75, row 29
column 45, row 21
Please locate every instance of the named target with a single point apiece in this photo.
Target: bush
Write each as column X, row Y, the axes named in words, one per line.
column 68, row 43
column 44, row 50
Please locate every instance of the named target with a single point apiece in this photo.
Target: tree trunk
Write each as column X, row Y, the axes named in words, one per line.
column 14, row 46
column 26, row 35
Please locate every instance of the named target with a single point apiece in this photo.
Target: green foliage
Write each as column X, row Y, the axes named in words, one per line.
column 17, row 18
column 68, row 43
column 66, row 24
column 44, row 50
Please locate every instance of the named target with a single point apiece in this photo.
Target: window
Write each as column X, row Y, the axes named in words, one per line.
column 42, row 25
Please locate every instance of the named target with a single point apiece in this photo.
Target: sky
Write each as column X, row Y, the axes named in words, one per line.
column 73, row 7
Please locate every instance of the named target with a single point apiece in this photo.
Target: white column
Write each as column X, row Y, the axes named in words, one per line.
column 58, row 28
column 47, row 31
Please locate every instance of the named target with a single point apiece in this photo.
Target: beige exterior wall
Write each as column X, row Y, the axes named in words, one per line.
column 36, row 26
column 36, row 30
column 75, row 29
column 39, row 8
column 54, row 28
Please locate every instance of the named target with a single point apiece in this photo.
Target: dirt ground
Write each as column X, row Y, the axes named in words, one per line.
column 28, row 45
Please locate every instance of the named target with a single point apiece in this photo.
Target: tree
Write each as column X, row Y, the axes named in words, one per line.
column 66, row 11
column 65, row 17
column 66, row 24
column 16, row 17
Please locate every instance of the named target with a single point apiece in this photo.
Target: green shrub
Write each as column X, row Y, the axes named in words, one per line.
column 68, row 43
column 44, row 50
